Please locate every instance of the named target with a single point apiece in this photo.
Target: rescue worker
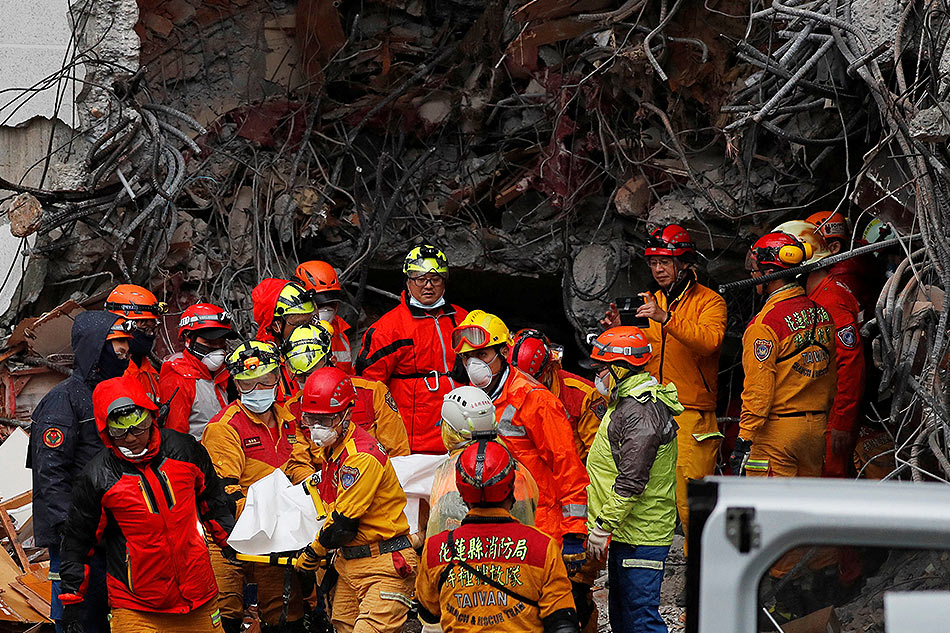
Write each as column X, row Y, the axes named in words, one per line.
column 140, row 499
column 835, row 297
column 686, row 329
column 63, row 440
column 409, row 348
column 632, row 479
column 788, row 356
column 862, row 275
column 534, row 354
column 492, row 572
column 281, row 306
column 247, row 441
column 142, row 310
column 307, row 350
column 366, row 520
column 468, row 414
column 324, row 286
column 194, row 382
column 533, row 425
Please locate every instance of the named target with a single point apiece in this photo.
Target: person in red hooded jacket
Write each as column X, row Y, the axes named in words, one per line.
column 194, row 382
column 409, row 348
column 141, row 497
column 280, row 306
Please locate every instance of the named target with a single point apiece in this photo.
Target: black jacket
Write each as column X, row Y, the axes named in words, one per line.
column 63, row 436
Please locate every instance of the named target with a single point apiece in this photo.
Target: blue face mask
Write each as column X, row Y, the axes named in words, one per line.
column 259, row 400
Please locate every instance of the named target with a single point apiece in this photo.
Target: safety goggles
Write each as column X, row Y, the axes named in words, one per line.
column 474, row 335
column 131, row 419
column 326, row 420
column 210, row 320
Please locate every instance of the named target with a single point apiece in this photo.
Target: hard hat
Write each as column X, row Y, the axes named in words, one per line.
column 134, row 302
column 531, row 352
column 622, row 343
column 306, row 346
column 425, row 259
column 876, row 231
column 327, row 390
column 478, row 330
column 806, row 233
column 467, row 413
column 831, row 225
column 671, row 240
column 321, row 280
column 293, row 300
column 485, row 473
column 206, row 320
column 779, row 250
column 120, row 329
column 252, row 359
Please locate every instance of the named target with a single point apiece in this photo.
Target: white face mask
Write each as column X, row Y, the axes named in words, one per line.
column 602, row 386
column 415, row 303
column 479, row 372
column 259, row 400
column 214, row 360
column 323, row 436
column 128, row 452
column 326, row 313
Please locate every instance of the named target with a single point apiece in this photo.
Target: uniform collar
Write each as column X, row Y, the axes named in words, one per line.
column 488, row 515
column 500, row 389
column 280, row 412
column 785, row 292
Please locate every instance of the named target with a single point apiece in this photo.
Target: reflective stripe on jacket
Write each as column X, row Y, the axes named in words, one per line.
column 193, row 396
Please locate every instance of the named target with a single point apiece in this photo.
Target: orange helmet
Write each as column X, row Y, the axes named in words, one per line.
column 831, row 225
column 622, row 343
column 134, row 302
column 119, row 330
column 320, row 278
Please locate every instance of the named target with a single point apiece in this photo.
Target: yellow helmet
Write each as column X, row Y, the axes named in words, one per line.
column 808, row 234
column 479, row 330
column 294, row 300
column 307, row 346
column 426, row 259
column 253, row 359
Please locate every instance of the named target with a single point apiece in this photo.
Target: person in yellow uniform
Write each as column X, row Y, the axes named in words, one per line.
column 492, row 572
column 309, row 348
column 366, row 522
column 247, row 441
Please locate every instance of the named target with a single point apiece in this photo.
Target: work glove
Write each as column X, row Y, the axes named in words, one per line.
column 573, row 553
column 308, row 560
column 597, row 542
column 71, row 621
column 739, row 457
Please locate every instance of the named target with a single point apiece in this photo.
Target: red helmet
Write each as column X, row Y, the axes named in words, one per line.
column 485, row 473
column 831, row 225
column 622, row 343
column 206, row 320
column 779, row 250
column 134, row 302
column 671, row 240
column 327, row 390
column 531, row 352
column 320, row 278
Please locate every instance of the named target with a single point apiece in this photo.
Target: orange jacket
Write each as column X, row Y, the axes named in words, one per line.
column 837, row 298
column 192, row 394
column 788, row 359
column 340, row 346
column 146, row 375
column 686, row 348
column 243, row 449
column 533, row 424
column 410, row 351
column 521, row 558
column 585, row 407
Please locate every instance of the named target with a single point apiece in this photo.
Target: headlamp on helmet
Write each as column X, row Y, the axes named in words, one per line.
column 252, row 359
column 425, row 259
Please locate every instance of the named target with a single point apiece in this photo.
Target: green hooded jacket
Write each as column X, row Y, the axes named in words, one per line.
column 632, row 464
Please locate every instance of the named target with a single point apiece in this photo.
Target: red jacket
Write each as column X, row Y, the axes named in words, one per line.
column 193, row 395
column 146, row 375
column 864, row 277
column 145, row 513
column 340, row 346
column 410, row 351
column 533, row 424
column 264, row 299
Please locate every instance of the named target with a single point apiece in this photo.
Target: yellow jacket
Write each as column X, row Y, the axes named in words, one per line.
column 686, row 348
column 376, row 412
column 788, row 356
column 585, row 407
column 243, row 449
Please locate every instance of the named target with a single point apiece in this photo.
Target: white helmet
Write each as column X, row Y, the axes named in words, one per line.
column 467, row 413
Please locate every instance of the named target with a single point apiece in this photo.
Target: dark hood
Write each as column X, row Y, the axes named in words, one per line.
column 89, row 333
